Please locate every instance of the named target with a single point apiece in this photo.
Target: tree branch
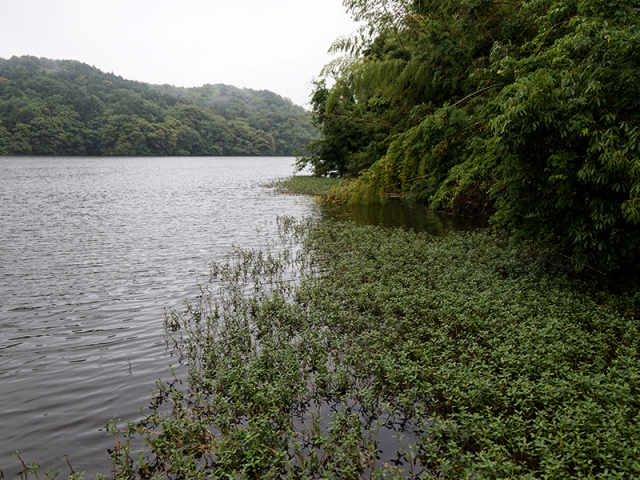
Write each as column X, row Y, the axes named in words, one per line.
column 478, row 93
column 548, row 32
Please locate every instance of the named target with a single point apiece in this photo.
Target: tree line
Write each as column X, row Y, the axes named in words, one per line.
column 525, row 111
column 65, row 107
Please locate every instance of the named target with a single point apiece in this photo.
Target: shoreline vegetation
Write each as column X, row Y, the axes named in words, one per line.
column 334, row 191
column 524, row 111
column 304, row 185
column 344, row 351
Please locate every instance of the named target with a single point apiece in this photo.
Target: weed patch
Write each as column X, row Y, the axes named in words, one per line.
column 304, row 185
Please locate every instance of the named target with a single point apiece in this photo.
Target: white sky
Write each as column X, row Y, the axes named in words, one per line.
column 277, row 45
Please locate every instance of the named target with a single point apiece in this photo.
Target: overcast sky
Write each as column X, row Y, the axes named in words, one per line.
column 277, row 45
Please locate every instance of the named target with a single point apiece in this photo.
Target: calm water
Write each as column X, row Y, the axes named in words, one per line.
column 91, row 252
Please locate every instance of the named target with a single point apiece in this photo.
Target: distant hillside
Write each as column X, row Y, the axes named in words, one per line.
column 230, row 100
column 65, row 107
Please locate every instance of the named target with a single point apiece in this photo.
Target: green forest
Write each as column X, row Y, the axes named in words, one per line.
column 65, row 107
column 346, row 351
column 523, row 111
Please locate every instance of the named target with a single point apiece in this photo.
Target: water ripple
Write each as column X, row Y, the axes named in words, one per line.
column 91, row 252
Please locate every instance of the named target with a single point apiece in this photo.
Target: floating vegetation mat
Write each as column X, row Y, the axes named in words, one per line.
column 363, row 352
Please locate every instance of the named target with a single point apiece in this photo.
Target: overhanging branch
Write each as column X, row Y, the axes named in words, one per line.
column 478, row 93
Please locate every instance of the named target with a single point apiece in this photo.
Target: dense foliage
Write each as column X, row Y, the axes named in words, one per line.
column 525, row 109
column 482, row 354
column 50, row 107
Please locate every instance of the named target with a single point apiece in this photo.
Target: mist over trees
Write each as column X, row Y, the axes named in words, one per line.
column 65, row 107
column 527, row 111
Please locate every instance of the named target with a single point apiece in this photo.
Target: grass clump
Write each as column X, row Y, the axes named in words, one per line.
column 304, row 185
column 302, row 360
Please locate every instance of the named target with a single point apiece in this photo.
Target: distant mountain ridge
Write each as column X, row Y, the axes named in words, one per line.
column 66, row 107
column 227, row 99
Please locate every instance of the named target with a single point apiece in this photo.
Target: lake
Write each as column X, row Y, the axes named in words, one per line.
column 92, row 250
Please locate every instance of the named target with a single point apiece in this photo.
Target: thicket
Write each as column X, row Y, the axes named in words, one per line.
column 483, row 357
column 526, row 111
column 64, row 107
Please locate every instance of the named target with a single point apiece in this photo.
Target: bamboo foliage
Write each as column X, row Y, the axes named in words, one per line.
column 533, row 103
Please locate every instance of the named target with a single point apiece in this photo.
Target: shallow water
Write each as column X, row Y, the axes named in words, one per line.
column 91, row 252
column 394, row 213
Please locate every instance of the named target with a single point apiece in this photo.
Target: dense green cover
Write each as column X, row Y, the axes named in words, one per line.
column 526, row 109
column 64, row 107
column 296, row 358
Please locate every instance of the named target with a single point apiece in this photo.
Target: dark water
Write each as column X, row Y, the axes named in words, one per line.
column 396, row 214
column 91, row 252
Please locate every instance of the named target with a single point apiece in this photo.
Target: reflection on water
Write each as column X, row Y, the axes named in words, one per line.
column 397, row 214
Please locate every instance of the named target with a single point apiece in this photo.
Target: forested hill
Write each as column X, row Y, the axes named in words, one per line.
column 230, row 101
column 65, row 107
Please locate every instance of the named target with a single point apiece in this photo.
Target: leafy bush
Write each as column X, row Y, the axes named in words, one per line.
column 567, row 133
column 532, row 102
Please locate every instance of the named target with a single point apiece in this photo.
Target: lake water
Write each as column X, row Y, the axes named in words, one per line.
column 91, row 252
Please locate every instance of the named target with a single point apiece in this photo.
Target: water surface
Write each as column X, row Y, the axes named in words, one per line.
column 91, row 252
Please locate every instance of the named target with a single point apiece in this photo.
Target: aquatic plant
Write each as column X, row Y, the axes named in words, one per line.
column 483, row 357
